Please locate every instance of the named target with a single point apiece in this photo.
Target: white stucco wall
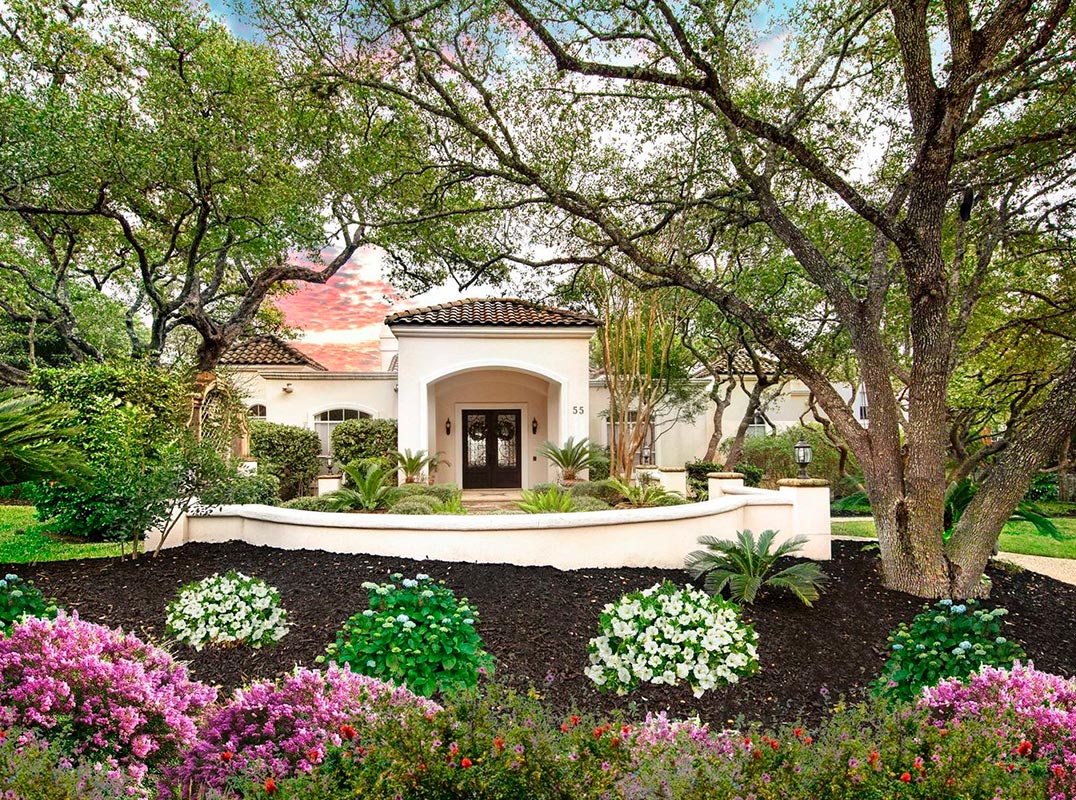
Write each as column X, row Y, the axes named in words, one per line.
column 314, row 392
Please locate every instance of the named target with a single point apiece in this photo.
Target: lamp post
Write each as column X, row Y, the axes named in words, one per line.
column 804, row 453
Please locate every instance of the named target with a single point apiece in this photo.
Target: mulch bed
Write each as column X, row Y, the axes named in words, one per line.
column 537, row 621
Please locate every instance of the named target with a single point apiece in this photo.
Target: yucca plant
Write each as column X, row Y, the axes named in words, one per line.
column 413, row 464
column 571, row 458
column 552, row 501
column 744, row 566
column 366, row 490
column 35, row 441
column 644, row 495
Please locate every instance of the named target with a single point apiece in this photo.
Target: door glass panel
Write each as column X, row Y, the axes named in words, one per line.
column 475, row 432
column 506, row 441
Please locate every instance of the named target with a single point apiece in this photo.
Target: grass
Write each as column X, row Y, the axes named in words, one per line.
column 1016, row 537
column 24, row 540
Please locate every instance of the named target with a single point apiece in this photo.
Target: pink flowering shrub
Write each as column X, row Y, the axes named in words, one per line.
column 278, row 729
column 1031, row 714
column 99, row 695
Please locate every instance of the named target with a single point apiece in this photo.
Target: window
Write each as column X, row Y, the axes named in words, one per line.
column 327, row 420
column 863, row 413
column 647, row 452
column 758, row 426
column 257, row 411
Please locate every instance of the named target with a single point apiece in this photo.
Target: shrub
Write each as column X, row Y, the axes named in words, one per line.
column 571, row 458
column 454, row 505
column 599, row 463
column 644, row 495
column 744, row 566
column 284, row 728
column 309, row 504
column 20, row 599
column 99, row 694
column 602, row 490
column 586, row 503
column 553, row 501
column 355, row 439
column 950, row 640
column 1031, row 715
column 773, row 456
column 416, row 504
column 416, row 633
column 261, row 488
column 698, row 485
column 1044, row 486
column 666, row 635
column 288, row 452
column 366, row 490
column 227, row 609
column 443, row 492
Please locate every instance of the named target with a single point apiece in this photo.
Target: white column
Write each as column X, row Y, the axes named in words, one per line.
column 674, row 479
column 717, row 482
column 810, row 514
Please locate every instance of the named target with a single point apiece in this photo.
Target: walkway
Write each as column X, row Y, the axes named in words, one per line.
column 484, row 500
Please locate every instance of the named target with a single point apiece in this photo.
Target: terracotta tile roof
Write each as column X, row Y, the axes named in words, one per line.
column 266, row 350
column 741, row 365
column 492, row 311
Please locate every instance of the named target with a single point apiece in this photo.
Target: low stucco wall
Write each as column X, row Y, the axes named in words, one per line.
column 649, row 537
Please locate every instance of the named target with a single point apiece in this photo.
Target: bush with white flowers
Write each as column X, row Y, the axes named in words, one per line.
column 665, row 635
column 227, row 609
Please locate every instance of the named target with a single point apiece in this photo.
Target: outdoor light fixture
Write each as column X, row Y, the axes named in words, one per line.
column 448, row 426
column 288, row 389
column 804, row 453
column 534, row 425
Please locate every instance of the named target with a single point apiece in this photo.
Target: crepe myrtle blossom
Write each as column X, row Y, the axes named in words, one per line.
column 664, row 635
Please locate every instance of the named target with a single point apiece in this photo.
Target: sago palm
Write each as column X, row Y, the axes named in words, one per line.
column 413, row 464
column 744, row 566
column 366, row 491
column 571, row 458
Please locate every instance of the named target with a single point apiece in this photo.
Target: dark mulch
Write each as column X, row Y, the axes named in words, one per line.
column 537, row 621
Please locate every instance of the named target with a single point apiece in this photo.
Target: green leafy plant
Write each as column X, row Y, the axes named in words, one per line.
column 355, row 439
column 453, row 505
column 552, row 501
column 225, row 610
column 744, row 566
column 321, row 503
column 288, row 452
column 665, row 634
column 571, row 458
column 960, row 495
column 367, row 490
column 442, row 491
column 416, row 504
column 20, row 599
column 413, row 464
column 415, row 632
column 262, row 488
column 644, row 495
column 602, row 490
column 587, row 503
column 36, row 441
column 948, row 640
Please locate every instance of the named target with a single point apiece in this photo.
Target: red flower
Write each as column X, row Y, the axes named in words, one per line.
column 564, row 727
column 574, row 719
column 1024, row 748
column 226, row 755
column 465, row 762
column 798, row 732
column 313, row 756
column 598, row 732
column 270, row 786
column 1058, row 770
column 872, row 759
column 906, row 776
column 347, row 732
column 756, row 754
column 498, row 743
column 625, row 730
column 808, row 740
column 774, row 744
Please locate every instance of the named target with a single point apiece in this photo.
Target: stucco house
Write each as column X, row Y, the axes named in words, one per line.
column 483, row 382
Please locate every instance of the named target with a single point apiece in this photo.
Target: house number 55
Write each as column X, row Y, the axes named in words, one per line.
column 578, row 410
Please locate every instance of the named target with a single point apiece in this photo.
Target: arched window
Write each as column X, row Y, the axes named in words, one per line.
column 257, row 411
column 758, row 426
column 325, row 421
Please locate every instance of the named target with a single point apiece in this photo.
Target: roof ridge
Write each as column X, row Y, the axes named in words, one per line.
column 564, row 313
column 277, row 341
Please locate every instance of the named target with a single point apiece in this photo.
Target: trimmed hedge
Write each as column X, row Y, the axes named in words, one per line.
column 600, row 490
column 356, row 439
column 587, row 503
column 309, row 504
column 415, row 504
column 442, row 492
column 288, row 452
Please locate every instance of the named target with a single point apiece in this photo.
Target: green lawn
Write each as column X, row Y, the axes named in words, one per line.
column 1017, row 537
column 24, row 540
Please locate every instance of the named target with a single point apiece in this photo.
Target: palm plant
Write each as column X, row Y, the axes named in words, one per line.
column 644, row 495
column 413, row 464
column 366, row 490
column 552, row 501
column 960, row 495
column 36, row 441
column 744, row 566
column 571, row 458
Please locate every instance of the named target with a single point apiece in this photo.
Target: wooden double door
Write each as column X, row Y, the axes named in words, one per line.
column 492, row 449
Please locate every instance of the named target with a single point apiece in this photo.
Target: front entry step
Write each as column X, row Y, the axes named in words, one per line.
column 478, row 501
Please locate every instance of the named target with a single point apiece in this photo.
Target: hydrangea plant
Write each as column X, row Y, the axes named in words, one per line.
column 279, row 729
column 99, row 695
column 416, row 633
column 948, row 640
column 227, row 609
column 20, row 599
column 664, row 635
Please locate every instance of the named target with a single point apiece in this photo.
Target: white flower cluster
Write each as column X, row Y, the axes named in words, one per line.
column 664, row 635
column 227, row 609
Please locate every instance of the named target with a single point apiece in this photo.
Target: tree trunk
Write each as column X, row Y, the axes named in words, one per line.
column 754, row 400
column 721, row 404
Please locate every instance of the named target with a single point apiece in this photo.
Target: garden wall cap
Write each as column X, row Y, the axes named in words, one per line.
column 725, row 475
column 672, row 469
column 803, row 482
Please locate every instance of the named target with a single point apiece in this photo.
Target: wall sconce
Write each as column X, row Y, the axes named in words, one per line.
column 448, row 426
column 288, row 389
column 534, row 425
column 804, row 453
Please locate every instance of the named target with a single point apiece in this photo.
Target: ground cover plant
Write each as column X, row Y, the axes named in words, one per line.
column 415, row 633
column 226, row 610
column 1016, row 537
